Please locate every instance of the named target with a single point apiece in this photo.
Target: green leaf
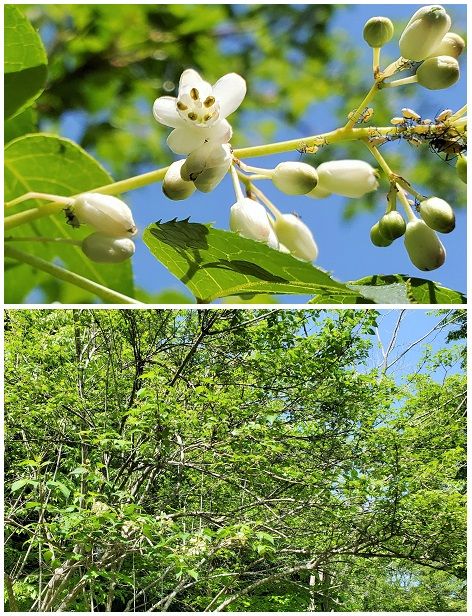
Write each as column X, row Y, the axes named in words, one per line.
column 25, row 62
column 17, row 485
column 402, row 289
column 60, row 486
column 24, row 122
column 215, row 263
column 46, row 163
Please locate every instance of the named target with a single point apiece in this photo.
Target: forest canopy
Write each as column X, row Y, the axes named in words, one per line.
column 225, row 460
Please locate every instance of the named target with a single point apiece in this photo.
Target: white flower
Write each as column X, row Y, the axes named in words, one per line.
column 296, row 236
column 105, row 249
column 107, row 214
column 207, row 165
column 249, row 219
column 349, row 178
column 174, row 186
column 199, row 111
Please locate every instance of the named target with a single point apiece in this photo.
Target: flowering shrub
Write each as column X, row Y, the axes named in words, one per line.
column 279, row 249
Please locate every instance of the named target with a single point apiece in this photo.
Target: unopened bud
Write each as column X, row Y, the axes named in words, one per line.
column 295, row 178
column 461, row 168
column 378, row 31
column 296, row 236
column 173, row 186
column 105, row 249
column 424, row 32
column 377, row 238
column 392, row 226
column 438, row 214
column 107, row 214
column 451, row 45
column 207, row 165
column 349, row 178
column 318, row 193
column 423, row 246
column 438, row 73
column 249, row 219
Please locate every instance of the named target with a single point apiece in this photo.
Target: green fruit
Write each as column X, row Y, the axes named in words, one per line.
column 377, row 238
column 392, row 226
column 378, row 31
column 438, row 214
column 461, row 168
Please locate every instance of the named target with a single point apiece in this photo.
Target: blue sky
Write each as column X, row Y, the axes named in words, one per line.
column 344, row 247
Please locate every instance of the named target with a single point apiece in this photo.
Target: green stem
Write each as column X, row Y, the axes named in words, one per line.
column 267, row 202
column 236, row 184
column 368, row 97
column 114, row 188
column 376, row 61
column 107, row 295
column 400, row 82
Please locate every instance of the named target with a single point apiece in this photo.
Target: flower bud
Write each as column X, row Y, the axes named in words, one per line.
column 392, row 226
column 377, row 238
column 424, row 32
column 249, row 219
column 318, row 192
column 438, row 214
column 207, row 165
column 295, row 178
column 296, row 236
column 173, row 186
column 461, row 168
column 107, row 214
column 423, row 246
column 451, row 45
column 378, row 31
column 350, row 178
column 105, row 249
column 438, row 73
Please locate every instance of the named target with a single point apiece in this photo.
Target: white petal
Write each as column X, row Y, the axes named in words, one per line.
column 185, row 140
column 221, row 132
column 191, row 79
column 165, row 111
column 229, row 91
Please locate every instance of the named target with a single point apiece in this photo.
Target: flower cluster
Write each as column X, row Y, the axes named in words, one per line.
column 114, row 226
column 201, row 131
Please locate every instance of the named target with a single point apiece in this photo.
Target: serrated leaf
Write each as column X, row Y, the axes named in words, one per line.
column 51, row 164
column 402, row 289
column 214, row 263
column 25, row 62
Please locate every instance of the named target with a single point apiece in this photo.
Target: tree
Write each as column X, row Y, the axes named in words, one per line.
column 227, row 460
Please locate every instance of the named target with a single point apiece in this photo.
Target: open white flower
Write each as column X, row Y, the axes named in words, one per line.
column 198, row 113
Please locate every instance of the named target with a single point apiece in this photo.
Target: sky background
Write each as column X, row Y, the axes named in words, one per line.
column 345, row 249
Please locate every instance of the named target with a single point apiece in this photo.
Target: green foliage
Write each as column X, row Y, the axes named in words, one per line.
column 215, row 264
column 25, row 62
column 229, row 460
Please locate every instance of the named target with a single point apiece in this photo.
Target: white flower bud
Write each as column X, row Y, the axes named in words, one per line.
column 438, row 73
column 451, row 45
column 207, row 165
column 438, row 214
column 296, row 236
column 249, row 219
column 423, row 246
column 107, row 214
column 173, row 186
column 318, row 192
column 424, row 32
column 105, row 249
column 350, row 178
column 294, row 178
